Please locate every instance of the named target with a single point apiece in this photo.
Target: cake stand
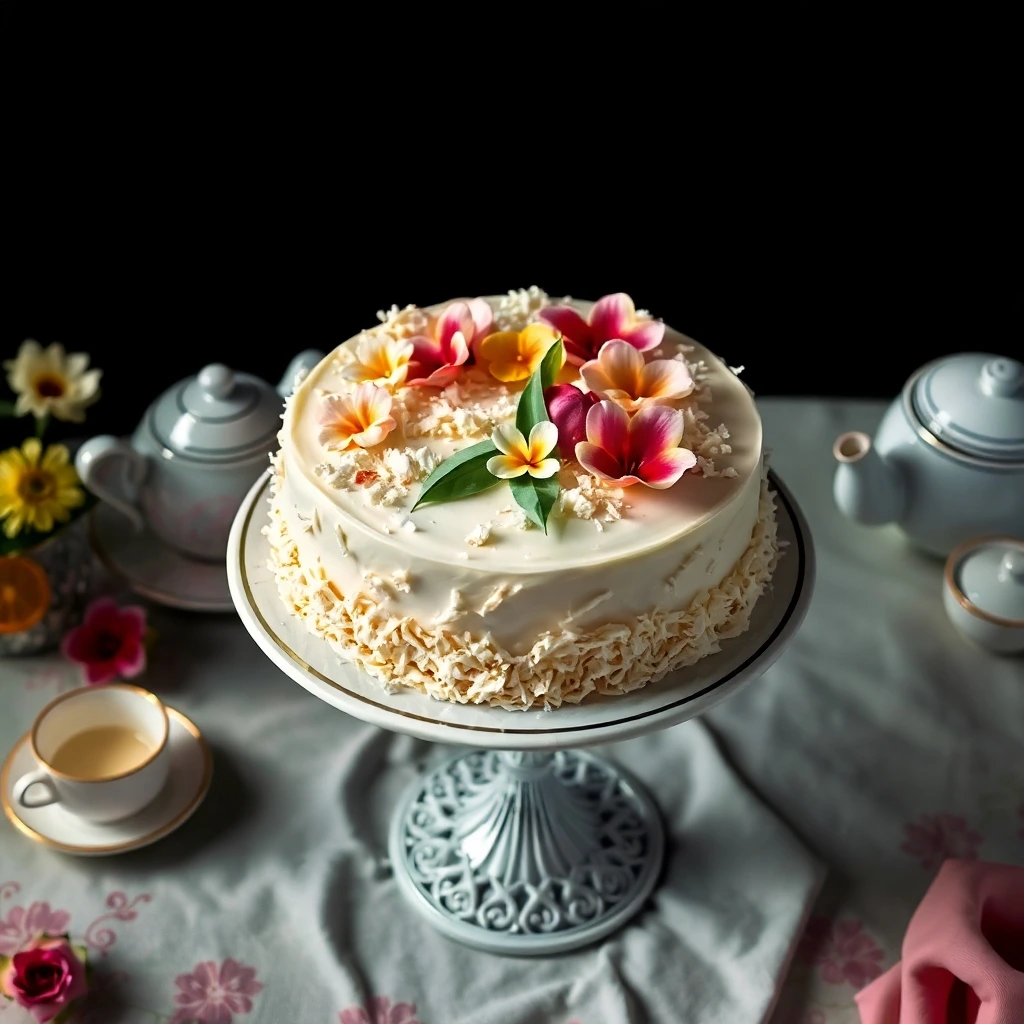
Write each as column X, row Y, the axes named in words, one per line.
column 525, row 843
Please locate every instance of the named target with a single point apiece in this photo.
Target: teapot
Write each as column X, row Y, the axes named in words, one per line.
column 199, row 448
column 947, row 463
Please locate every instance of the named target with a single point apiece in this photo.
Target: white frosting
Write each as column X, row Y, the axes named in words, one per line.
column 564, row 665
column 483, row 586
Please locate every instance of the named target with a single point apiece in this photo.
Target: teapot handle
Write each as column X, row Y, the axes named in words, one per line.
column 95, row 462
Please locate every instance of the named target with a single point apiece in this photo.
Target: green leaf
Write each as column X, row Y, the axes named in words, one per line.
column 535, row 497
column 552, row 363
column 531, row 408
column 6, row 408
column 459, row 476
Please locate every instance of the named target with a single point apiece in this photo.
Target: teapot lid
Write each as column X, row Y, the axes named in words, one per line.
column 974, row 402
column 217, row 415
column 991, row 576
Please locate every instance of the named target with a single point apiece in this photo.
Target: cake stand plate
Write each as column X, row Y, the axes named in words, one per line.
column 524, row 844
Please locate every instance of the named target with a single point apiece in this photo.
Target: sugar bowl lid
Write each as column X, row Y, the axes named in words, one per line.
column 988, row 575
column 974, row 402
column 218, row 415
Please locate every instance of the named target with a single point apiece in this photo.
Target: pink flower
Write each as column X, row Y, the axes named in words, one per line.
column 612, row 317
column 380, row 1011
column 22, row 926
column 109, row 643
column 934, row 837
column 360, row 417
column 620, row 374
column 568, row 408
column 844, row 952
column 435, row 361
column 45, row 978
column 644, row 449
column 211, row 995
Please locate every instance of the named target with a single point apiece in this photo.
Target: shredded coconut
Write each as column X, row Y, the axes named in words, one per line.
column 590, row 499
column 517, row 308
column 384, row 479
column 498, row 595
column 408, row 322
column 561, row 667
column 470, row 407
column 479, row 536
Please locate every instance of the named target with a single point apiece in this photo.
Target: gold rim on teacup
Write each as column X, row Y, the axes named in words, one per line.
column 956, row 556
column 151, row 697
column 162, row 830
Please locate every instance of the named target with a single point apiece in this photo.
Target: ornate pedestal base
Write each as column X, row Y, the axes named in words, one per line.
column 527, row 853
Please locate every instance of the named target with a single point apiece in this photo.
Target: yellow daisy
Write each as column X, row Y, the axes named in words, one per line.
column 49, row 382
column 37, row 492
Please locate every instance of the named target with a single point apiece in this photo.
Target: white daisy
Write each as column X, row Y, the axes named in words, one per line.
column 49, row 382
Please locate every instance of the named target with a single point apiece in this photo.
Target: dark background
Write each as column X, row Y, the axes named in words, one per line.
column 181, row 192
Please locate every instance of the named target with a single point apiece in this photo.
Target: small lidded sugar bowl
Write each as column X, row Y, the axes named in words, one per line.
column 983, row 592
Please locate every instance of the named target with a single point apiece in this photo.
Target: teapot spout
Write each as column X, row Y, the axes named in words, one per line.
column 297, row 369
column 866, row 488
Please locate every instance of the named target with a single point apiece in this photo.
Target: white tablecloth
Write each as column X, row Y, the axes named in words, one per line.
column 881, row 741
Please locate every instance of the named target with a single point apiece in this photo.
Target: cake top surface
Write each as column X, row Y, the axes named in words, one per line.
column 368, row 432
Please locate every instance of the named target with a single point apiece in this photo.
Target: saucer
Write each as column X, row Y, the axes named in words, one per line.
column 187, row 784
column 154, row 570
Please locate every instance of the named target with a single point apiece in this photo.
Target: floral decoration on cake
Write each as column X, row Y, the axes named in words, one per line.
column 570, row 397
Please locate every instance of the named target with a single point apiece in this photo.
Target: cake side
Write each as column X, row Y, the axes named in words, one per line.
column 563, row 666
column 469, row 601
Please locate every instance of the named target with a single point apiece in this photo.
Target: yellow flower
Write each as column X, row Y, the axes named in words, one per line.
column 520, row 456
column 48, row 382
column 379, row 359
column 37, row 492
column 515, row 355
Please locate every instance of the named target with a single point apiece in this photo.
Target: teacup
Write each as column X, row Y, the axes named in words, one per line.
column 102, row 753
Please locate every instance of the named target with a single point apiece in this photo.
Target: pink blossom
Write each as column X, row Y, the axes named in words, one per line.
column 843, row 951
column 211, row 995
column 645, row 449
column 380, row 1011
column 934, row 837
column 436, row 360
column 109, row 643
column 568, row 407
column 621, row 374
column 612, row 317
column 22, row 926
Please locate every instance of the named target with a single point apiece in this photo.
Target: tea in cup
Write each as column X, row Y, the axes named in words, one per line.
column 102, row 753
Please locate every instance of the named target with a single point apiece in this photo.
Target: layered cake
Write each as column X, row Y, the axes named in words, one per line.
column 521, row 501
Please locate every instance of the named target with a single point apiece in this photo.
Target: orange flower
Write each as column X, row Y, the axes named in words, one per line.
column 515, row 355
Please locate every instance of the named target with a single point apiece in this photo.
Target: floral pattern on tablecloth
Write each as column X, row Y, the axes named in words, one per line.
column 214, row 994
column 931, row 838
column 379, row 1010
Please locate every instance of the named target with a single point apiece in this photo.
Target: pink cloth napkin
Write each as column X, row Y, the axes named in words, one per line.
column 963, row 953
